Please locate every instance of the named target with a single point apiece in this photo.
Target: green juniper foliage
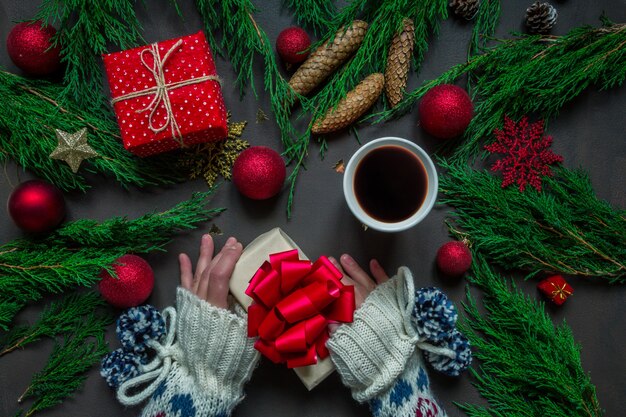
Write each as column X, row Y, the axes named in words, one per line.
column 316, row 14
column 86, row 29
column 531, row 74
column 30, row 114
column 74, row 255
column 565, row 228
column 528, row 366
column 68, row 364
column 60, row 317
column 486, row 21
column 241, row 40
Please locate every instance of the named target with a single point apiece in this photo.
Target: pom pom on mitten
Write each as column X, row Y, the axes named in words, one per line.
column 458, row 361
column 138, row 325
column 434, row 315
column 119, row 366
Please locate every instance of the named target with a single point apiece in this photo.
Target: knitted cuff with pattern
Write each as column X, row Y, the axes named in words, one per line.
column 371, row 352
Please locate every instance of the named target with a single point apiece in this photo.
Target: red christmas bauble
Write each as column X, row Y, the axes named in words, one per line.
column 259, row 172
column 30, row 48
column 291, row 43
column 445, row 111
column 133, row 284
column 454, row 258
column 36, row 206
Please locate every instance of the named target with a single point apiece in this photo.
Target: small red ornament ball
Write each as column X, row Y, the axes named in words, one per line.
column 30, row 48
column 133, row 284
column 291, row 43
column 259, row 173
column 445, row 111
column 36, row 206
column 454, row 258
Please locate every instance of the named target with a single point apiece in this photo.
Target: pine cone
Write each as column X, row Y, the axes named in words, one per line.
column 540, row 17
column 465, row 9
column 352, row 106
column 399, row 62
column 327, row 58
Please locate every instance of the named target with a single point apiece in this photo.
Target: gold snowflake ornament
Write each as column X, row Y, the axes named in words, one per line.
column 210, row 160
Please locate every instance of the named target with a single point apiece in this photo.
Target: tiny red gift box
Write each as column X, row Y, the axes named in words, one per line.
column 294, row 300
column 166, row 95
column 556, row 289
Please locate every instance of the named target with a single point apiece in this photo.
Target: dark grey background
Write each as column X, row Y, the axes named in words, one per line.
column 589, row 133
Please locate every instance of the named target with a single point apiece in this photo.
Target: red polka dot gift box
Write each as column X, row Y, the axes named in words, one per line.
column 166, row 95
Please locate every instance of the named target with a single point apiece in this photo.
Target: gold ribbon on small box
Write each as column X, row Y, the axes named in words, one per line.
column 160, row 90
column 560, row 291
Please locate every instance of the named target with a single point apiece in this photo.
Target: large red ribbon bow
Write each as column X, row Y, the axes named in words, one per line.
column 294, row 300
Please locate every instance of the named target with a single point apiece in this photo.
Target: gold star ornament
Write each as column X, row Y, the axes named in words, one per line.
column 73, row 148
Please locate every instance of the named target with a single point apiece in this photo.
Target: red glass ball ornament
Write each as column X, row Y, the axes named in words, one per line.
column 30, row 48
column 454, row 258
column 259, row 173
column 133, row 284
column 445, row 111
column 291, row 43
column 36, row 206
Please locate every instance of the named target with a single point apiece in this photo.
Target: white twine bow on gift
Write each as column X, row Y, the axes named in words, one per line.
column 155, row 372
column 160, row 90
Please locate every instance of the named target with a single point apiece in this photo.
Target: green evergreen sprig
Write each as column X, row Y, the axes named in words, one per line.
column 60, row 317
column 485, row 24
column 31, row 112
column 86, row 30
column 68, row 364
column 527, row 365
column 564, row 229
column 74, row 255
column 316, row 14
column 531, row 74
column 241, row 40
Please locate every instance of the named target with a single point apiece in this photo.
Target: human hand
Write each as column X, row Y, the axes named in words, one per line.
column 210, row 279
column 354, row 275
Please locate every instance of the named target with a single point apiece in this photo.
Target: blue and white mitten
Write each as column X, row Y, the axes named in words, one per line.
column 379, row 355
column 198, row 366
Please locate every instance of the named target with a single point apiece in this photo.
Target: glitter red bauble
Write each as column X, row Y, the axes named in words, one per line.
column 133, row 284
column 291, row 43
column 259, row 172
column 445, row 111
column 36, row 206
column 30, row 48
column 454, row 258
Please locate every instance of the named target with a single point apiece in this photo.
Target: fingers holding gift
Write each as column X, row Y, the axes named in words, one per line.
column 378, row 272
column 217, row 292
column 186, row 272
column 204, row 260
column 358, row 275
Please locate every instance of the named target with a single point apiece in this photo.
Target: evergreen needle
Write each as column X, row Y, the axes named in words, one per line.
column 527, row 365
column 530, row 74
column 74, row 255
column 563, row 229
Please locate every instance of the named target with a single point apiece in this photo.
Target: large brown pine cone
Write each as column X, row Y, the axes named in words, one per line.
column 352, row 106
column 465, row 9
column 328, row 57
column 399, row 62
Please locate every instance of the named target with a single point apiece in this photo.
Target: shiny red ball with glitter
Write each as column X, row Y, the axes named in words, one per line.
column 292, row 45
column 132, row 285
column 29, row 45
column 259, row 173
column 36, row 206
column 454, row 258
column 445, row 111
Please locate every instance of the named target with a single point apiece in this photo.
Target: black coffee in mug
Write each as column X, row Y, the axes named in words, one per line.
column 390, row 183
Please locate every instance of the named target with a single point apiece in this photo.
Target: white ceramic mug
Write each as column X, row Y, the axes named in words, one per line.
column 422, row 211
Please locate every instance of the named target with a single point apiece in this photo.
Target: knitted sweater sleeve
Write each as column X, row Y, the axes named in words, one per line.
column 377, row 355
column 215, row 359
column 199, row 366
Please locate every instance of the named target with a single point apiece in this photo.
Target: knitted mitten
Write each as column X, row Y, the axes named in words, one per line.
column 379, row 357
column 200, row 366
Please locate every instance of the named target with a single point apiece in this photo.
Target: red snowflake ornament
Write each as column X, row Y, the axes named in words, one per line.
column 528, row 157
